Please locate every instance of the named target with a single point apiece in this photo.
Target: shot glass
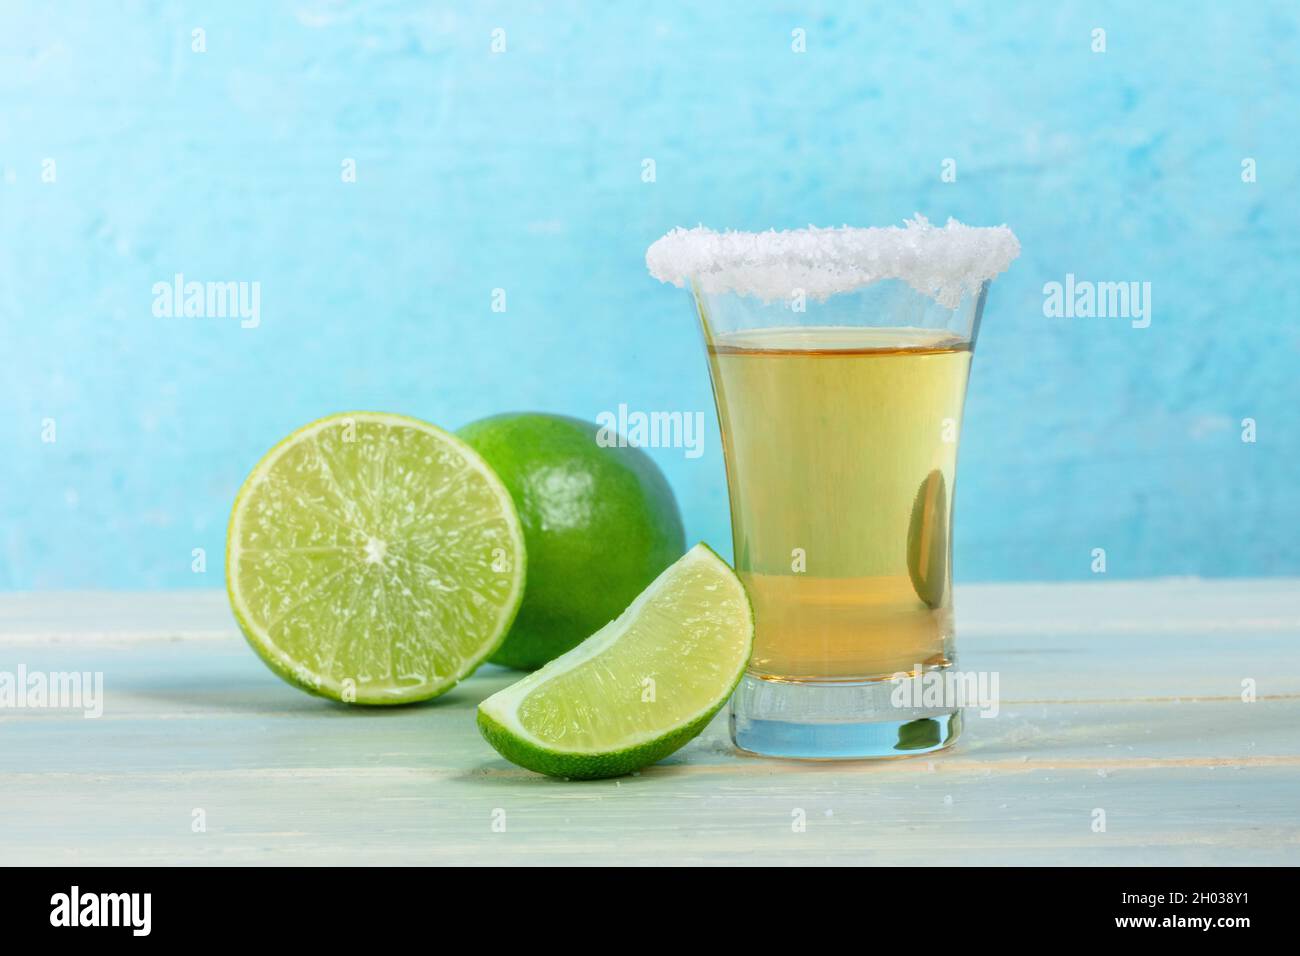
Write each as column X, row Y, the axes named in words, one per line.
column 840, row 409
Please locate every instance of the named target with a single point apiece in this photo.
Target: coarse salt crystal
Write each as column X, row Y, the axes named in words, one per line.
column 942, row 262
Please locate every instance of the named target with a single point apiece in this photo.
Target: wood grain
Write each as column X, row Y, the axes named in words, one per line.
column 1125, row 698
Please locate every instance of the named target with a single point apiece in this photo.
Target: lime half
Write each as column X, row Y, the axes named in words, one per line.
column 374, row 558
column 637, row 689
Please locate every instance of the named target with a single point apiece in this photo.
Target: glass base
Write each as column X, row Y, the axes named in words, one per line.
column 835, row 721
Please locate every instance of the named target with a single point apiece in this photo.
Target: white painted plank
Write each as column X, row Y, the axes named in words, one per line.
column 1119, row 697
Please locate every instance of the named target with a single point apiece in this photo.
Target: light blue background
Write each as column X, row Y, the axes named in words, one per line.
column 523, row 171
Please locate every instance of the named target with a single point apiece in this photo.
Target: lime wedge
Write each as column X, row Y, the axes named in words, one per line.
column 374, row 558
column 637, row 689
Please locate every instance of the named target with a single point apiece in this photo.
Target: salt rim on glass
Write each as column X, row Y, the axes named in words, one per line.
column 943, row 263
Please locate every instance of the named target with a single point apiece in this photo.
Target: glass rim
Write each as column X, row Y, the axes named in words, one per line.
column 944, row 263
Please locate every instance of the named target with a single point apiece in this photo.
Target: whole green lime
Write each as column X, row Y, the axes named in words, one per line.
column 600, row 523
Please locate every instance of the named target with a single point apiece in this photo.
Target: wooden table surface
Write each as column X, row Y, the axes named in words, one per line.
column 1125, row 698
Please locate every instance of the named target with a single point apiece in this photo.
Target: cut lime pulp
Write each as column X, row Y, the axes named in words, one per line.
column 373, row 558
column 637, row 689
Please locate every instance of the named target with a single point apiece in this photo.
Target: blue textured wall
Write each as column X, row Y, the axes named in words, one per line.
column 523, row 170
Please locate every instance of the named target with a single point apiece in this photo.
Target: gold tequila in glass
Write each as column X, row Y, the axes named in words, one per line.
column 841, row 445
column 839, row 361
